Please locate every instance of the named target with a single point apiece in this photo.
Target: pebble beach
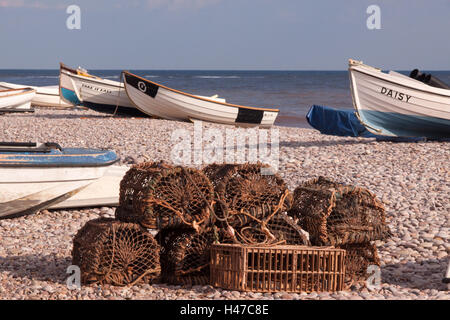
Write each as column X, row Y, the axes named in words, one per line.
column 412, row 180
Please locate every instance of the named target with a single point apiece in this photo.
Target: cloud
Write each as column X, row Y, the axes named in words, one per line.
column 180, row 4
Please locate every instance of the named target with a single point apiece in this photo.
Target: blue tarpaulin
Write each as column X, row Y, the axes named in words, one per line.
column 344, row 123
column 337, row 122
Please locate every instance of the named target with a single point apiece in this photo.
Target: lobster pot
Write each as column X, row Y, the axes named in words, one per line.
column 280, row 229
column 245, row 194
column 117, row 253
column 277, row 268
column 185, row 256
column 217, row 173
column 333, row 213
column 159, row 196
column 358, row 259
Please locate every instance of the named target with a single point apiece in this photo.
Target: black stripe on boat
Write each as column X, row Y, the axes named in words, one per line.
column 148, row 88
column 110, row 109
column 249, row 116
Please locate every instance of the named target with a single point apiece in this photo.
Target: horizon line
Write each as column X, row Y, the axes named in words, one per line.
column 251, row 70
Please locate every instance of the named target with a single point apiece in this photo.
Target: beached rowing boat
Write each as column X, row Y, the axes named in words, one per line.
column 167, row 103
column 16, row 99
column 34, row 177
column 392, row 104
column 45, row 96
column 102, row 193
column 78, row 87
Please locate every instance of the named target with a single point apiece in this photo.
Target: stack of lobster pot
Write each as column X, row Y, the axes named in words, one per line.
column 178, row 203
column 343, row 216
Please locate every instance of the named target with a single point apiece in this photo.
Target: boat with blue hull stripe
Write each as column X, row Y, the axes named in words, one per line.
column 392, row 104
column 102, row 95
column 401, row 125
column 70, row 96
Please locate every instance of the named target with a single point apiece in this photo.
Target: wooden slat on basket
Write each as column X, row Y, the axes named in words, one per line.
column 277, row 268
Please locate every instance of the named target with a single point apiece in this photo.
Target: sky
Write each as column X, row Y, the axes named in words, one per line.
column 224, row 34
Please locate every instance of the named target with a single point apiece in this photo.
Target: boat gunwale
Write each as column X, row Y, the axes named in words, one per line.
column 57, row 165
column 95, row 79
column 352, row 68
column 25, row 90
column 194, row 96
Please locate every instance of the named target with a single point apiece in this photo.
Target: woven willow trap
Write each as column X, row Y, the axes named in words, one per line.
column 113, row 252
column 185, row 255
column 159, row 196
column 278, row 268
column 334, row 214
column 244, row 194
column 358, row 258
column 279, row 229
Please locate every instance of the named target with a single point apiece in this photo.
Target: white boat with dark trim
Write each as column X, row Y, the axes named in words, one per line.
column 78, row 87
column 102, row 193
column 16, row 99
column 393, row 104
column 34, row 177
column 167, row 103
column 47, row 96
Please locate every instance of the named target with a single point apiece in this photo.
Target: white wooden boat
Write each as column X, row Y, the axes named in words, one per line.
column 47, row 96
column 392, row 104
column 167, row 103
column 102, row 193
column 16, row 99
column 34, row 177
column 78, row 87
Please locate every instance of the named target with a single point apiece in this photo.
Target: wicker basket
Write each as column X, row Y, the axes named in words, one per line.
column 277, row 268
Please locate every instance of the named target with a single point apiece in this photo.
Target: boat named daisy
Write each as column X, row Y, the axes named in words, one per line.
column 392, row 104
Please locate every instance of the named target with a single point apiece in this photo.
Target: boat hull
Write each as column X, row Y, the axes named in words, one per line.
column 97, row 94
column 35, row 177
column 102, row 193
column 395, row 106
column 19, row 99
column 30, row 189
column 171, row 104
column 47, row 97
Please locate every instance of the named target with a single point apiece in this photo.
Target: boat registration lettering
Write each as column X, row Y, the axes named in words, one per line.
column 95, row 88
column 395, row 94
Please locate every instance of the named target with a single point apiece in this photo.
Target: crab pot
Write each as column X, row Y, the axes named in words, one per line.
column 157, row 196
column 277, row 268
column 246, row 194
column 185, row 256
column 217, row 173
column 334, row 214
column 358, row 258
column 279, row 229
column 113, row 252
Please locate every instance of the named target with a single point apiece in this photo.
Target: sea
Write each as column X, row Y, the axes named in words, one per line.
column 293, row 92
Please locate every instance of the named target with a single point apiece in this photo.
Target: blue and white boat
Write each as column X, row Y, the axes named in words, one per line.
column 34, row 177
column 78, row 87
column 392, row 104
